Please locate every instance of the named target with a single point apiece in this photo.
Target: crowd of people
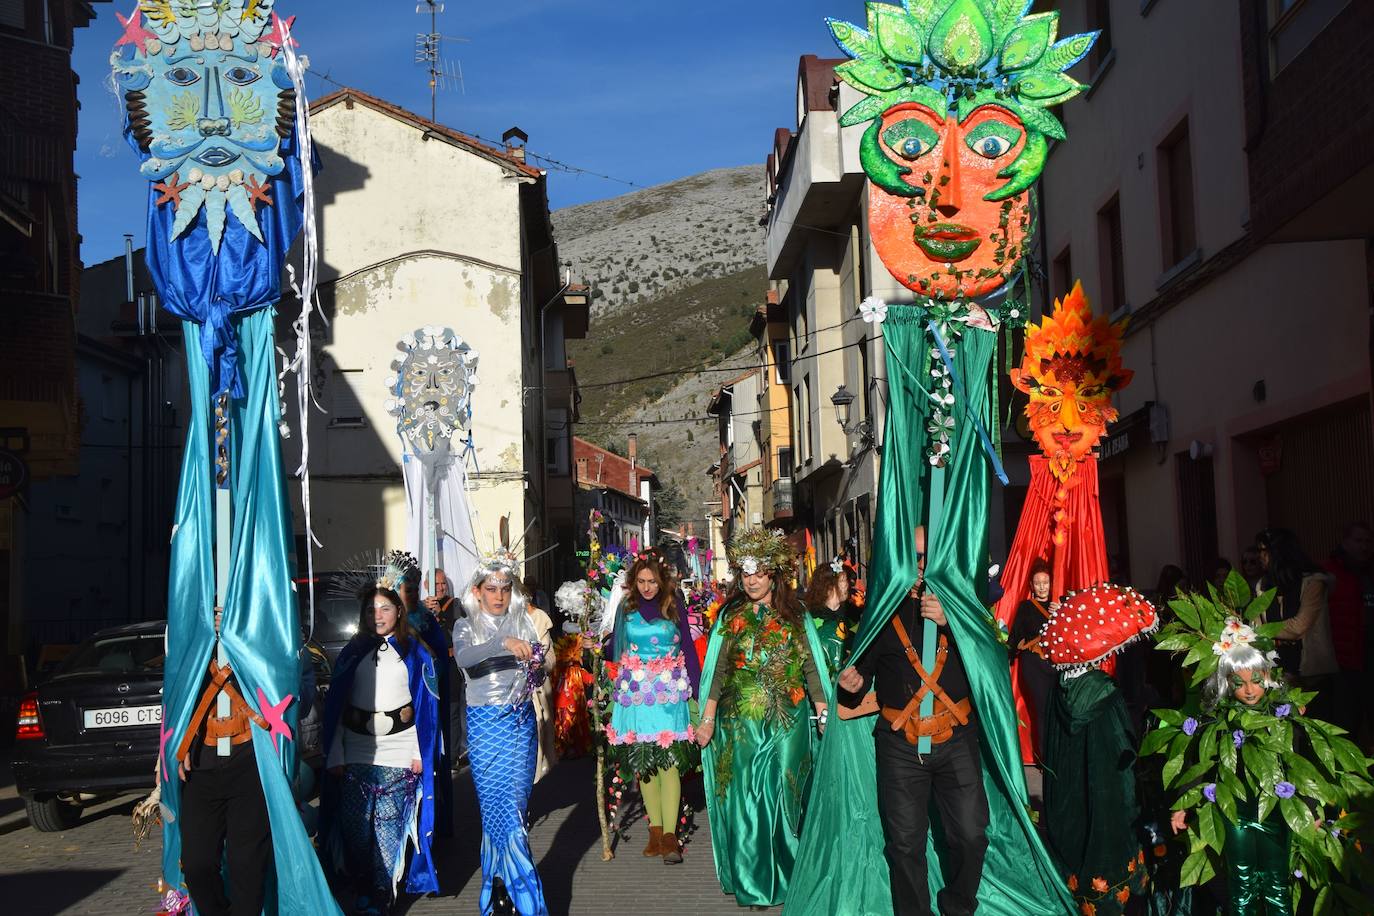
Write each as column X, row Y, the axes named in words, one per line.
column 428, row 686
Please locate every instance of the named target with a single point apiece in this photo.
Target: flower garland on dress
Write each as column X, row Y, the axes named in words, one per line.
column 1238, row 753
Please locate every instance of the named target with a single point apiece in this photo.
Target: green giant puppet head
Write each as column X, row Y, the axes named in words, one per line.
column 957, row 98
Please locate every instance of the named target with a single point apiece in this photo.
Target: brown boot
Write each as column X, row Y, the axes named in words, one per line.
column 655, row 847
column 672, row 850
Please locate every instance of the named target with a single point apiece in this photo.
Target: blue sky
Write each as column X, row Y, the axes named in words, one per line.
column 641, row 90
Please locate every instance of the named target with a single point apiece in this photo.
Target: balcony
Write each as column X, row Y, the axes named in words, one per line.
column 780, row 496
column 813, row 190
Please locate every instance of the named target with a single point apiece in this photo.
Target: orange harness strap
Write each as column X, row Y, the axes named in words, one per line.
column 930, row 681
column 233, row 726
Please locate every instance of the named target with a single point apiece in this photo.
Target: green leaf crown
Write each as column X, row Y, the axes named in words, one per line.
column 1200, row 624
column 955, row 55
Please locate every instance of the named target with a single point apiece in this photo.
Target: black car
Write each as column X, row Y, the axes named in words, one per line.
column 336, row 609
column 92, row 727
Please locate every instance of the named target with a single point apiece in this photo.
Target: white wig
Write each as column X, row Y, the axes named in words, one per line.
column 1240, row 657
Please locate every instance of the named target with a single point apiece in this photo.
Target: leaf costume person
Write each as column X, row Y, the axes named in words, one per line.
column 957, row 126
column 210, row 93
column 763, row 674
column 1090, row 802
column 1256, row 777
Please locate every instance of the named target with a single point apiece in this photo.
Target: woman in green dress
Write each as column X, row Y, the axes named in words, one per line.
column 763, row 675
column 827, row 600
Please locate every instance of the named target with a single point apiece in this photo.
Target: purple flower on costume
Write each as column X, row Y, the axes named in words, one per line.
column 1189, row 725
column 648, row 699
column 1284, row 789
column 1209, row 791
column 1238, row 737
column 1283, row 709
column 1297, row 873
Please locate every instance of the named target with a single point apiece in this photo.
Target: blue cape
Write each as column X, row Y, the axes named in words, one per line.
column 421, row 877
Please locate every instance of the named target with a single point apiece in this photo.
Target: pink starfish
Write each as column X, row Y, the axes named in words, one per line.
column 134, row 32
column 274, row 34
column 276, row 724
column 163, row 734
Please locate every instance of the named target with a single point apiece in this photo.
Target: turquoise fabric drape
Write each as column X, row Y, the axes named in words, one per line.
column 261, row 625
column 842, row 839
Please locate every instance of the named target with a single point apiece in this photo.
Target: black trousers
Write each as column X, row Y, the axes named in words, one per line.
column 223, row 806
column 952, row 776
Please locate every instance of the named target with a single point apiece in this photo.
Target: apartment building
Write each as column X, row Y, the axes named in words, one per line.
column 1215, row 188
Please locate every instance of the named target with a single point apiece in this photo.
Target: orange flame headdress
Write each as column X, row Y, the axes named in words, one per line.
column 1070, row 369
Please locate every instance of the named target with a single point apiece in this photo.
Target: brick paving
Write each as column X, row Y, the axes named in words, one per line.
column 95, row 869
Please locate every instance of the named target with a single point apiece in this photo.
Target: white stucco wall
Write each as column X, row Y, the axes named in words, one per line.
column 412, row 232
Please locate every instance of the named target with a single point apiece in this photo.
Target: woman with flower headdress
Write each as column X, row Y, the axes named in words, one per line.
column 381, row 730
column 505, row 659
column 657, row 673
column 764, row 673
column 1253, row 773
column 1089, row 760
column 827, row 599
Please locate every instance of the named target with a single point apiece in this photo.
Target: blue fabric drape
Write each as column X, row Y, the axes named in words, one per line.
column 195, row 284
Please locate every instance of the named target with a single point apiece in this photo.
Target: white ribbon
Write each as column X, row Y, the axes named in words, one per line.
column 305, row 292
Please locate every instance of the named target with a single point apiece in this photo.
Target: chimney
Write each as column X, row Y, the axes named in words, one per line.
column 582, row 469
column 632, row 446
column 515, row 139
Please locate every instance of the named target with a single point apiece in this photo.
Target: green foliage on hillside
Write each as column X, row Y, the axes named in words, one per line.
column 686, row 331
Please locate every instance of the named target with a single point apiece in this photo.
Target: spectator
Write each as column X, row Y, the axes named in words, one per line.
column 1172, row 580
column 1220, row 571
column 445, row 609
column 1304, row 644
column 1250, row 566
column 1351, row 605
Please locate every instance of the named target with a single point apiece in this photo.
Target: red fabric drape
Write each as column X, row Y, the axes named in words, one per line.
column 1061, row 525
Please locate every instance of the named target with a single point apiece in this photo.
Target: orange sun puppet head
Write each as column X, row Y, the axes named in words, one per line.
column 1071, row 368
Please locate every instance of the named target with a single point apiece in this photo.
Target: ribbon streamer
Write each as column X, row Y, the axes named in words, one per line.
column 963, row 400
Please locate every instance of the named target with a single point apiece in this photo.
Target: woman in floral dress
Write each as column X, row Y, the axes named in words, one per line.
column 764, row 674
column 657, row 672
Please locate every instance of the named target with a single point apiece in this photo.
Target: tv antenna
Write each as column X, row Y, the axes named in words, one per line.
column 443, row 73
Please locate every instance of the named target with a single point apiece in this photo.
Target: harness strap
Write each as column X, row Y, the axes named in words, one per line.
column 930, row 681
column 233, row 726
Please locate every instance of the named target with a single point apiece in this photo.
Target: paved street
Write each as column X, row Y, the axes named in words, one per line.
column 95, row 869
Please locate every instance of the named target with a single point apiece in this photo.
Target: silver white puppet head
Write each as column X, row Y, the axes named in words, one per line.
column 431, row 392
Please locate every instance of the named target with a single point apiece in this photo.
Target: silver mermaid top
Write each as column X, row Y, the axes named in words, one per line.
column 477, row 639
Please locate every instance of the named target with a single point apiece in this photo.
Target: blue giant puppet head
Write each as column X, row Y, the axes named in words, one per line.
column 209, row 103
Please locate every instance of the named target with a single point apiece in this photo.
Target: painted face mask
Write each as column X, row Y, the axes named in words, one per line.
column 432, row 388
column 1070, row 369
column 957, row 92
column 209, row 102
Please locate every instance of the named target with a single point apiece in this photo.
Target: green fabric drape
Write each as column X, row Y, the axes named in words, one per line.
column 1090, row 801
column 842, row 839
column 755, row 825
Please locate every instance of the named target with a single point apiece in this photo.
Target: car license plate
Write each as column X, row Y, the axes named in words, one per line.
column 122, row 716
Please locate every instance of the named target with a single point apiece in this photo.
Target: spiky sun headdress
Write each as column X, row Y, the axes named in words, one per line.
column 396, row 565
column 957, row 55
column 1070, row 342
column 761, row 550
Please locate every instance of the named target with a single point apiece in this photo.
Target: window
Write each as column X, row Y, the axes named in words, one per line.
column 782, row 361
column 346, row 411
column 1294, row 25
column 797, row 422
column 785, row 462
column 1110, row 259
column 1061, row 274
column 1175, row 159
column 806, row 419
column 1100, row 18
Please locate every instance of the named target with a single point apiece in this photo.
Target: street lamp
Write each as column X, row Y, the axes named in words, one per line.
column 843, row 400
